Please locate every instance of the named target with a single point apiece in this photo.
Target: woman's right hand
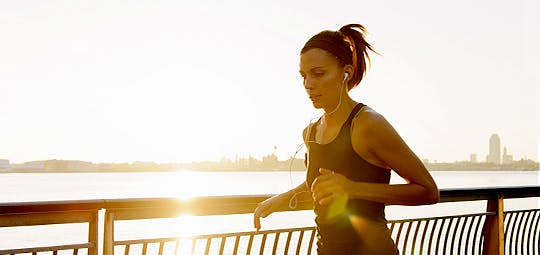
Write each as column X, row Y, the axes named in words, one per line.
column 267, row 207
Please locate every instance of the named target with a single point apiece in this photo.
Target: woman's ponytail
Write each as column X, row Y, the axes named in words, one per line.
column 354, row 35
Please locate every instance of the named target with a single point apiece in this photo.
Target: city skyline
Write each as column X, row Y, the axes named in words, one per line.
column 494, row 156
column 184, row 81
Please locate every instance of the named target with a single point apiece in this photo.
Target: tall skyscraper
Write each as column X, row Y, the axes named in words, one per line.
column 494, row 155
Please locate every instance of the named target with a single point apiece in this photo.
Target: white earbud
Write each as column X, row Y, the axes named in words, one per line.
column 345, row 77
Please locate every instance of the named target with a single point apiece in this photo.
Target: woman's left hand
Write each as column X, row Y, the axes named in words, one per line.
column 330, row 188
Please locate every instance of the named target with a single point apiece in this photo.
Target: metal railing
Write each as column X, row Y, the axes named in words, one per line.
column 48, row 213
column 494, row 231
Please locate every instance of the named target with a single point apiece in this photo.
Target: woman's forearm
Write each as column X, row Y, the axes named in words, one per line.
column 394, row 194
column 301, row 192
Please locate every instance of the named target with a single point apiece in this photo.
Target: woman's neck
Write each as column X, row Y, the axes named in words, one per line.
column 341, row 111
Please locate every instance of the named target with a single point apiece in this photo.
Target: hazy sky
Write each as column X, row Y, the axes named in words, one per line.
column 176, row 81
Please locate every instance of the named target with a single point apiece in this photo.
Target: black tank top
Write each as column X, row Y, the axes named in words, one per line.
column 339, row 156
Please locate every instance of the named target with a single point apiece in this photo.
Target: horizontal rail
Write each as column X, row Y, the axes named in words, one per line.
column 45, row 218
column 51, row 206
column 219, row 205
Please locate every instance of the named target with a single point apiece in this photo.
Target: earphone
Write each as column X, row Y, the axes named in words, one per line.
column 345, row 77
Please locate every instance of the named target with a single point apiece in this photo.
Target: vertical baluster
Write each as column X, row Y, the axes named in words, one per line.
column 55, row 252
column 476, row 238
column 144, row 248
column 433, row 232
column 507, row 229
column 464, row 230
column 521, row 215
column 276, row 240
column 236, row 244
column 510, row 232
column 399, row 232
column 289, row 236
column 418, row 225
column 514, row 240
column 468, row 234
column 208, row 243
column 443, row 224
column 447, row 235
column 392, row 226
column 410, row 223
column 424, row 232
column 299, row 244
column 75, row 252
column 126, row 250
column 525, row 236
column 534, row 243
column 161, row 246
column 222, row 245
column 250, row 243
column 479, row 236
column 456, row 228
column 537, row 232
column 311, row 239
column 263, row 243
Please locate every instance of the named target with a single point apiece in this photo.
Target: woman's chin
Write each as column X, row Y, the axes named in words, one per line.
column 317, row 105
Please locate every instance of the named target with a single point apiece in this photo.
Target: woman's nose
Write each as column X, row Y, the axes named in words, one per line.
column 308, row 83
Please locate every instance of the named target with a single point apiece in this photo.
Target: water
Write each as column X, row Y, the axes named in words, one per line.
column 17, row 187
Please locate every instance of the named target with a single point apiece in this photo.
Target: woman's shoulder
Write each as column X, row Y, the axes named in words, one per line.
column 367, row 117
column 371, row 126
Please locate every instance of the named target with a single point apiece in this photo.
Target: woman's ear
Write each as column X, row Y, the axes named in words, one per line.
column 349, row 69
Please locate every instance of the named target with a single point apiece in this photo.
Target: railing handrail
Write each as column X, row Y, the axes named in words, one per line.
column 208, row 205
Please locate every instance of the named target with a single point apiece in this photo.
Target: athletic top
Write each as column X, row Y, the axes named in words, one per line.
column 340, row 157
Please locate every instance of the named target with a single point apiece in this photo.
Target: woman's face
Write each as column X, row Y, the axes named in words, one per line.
column 322, row 76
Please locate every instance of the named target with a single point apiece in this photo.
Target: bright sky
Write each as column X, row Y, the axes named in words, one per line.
column 180, row 81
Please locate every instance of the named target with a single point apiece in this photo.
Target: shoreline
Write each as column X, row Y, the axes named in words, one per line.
column 251, row 170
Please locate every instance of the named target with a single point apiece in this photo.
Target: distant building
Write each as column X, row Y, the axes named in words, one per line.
column 4, row 164
column 68, row 165
column 270, row 161
column 34, row 165
column 506, row 158
column 473, row 158
column 494, row 155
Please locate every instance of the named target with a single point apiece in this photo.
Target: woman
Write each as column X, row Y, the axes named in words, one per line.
column 351, row 150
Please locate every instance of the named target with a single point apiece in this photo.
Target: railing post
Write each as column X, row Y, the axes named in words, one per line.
column 493, row 231
column 108, row 234
column 93, row 235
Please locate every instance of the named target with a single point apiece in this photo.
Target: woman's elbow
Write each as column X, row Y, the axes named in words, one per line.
column 432, row 195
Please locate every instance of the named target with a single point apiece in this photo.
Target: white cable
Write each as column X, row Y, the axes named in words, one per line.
column 339, row 103
column 293, row 202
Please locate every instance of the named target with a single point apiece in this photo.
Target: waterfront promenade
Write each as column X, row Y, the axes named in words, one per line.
column 494, row 231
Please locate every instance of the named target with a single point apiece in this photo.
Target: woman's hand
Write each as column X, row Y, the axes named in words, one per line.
column 267, row 207
column 331, row 189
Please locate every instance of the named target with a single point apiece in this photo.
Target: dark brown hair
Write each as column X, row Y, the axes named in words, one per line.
column 348, row 45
